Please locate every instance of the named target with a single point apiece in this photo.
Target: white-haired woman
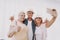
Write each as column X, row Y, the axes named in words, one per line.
column 18, row 30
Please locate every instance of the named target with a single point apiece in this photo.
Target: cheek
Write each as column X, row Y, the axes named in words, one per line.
column 29, row 14
column 19, row 17
column 38, row 21
column 23, row 17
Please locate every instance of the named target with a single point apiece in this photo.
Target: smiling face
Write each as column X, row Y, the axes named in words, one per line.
column 30, row 14
column 38, row 20
column 21, row 16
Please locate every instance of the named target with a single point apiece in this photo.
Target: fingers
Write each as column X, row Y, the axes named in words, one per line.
column 48, row 10
column 10, row 35
column 53, row 12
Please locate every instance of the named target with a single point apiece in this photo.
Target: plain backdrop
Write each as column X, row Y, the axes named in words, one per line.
column 10, row 8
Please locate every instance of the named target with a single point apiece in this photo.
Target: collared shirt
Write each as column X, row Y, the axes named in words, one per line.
column 41, row 32
column 30, row 31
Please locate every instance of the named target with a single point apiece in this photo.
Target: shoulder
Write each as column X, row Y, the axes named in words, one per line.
column 25, row 20
column 24, row 25
column 32, row 20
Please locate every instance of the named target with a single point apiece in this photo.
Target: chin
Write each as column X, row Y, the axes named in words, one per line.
column 22, row 20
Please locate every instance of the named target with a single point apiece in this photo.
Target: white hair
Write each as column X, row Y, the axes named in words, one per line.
column 21, row 13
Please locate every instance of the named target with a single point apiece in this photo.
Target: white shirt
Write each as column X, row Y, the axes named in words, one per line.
column 41, row 32
column 30, row 31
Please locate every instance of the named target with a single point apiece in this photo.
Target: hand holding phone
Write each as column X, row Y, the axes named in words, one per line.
column 53, row 12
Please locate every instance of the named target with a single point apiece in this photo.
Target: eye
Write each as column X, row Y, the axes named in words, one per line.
column 21, row 15
column 24, row 15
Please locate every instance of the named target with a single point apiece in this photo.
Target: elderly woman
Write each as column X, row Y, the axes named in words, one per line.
column 18, row 30
column 41, row 31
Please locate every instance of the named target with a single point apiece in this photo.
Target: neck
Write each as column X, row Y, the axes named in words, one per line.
column 30, row 19
column 38, row 25
column 20, row 21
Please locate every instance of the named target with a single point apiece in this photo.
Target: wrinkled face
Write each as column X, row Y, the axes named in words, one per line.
column 21, row 16
column 30, row 14
column 38, row 20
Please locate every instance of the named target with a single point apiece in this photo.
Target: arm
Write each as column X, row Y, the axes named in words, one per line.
column 13, row 29
column 54, row 16
column 12, row 32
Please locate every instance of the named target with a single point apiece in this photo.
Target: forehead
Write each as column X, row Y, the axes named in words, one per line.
column 38, row 18
column 30, row 12
column 22, row 13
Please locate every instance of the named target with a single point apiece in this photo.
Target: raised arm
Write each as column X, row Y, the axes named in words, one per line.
column 13, row 30
column 53, row 12
column 13, row 27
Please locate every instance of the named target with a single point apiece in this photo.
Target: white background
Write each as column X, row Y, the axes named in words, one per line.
column 13, row 7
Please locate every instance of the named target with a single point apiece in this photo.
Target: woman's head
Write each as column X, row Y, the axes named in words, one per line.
column 21, row 16
column 38, row 20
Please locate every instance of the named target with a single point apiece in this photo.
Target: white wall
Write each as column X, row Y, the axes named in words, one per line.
column 13, row 7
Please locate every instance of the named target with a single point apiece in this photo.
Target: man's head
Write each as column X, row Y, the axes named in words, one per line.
column 30, row 14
